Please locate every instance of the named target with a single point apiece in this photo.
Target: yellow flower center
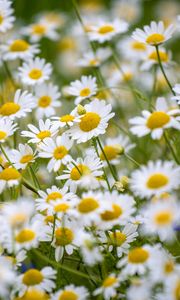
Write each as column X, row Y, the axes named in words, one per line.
column 54, row 196
column 62, row 207
column 9, row 108
column 127, row 76
column 1, row 19
column 66, row 118
column 19, row 46
column 32, row 277
column 169, row 267
column 34, row 294
column 35, row 74
column 89, row 121
column 39, row 29
column 43, row 134
column 117, row 238
column 163, row 218
column 68, row 295
column 87, row 205
column 18, row 219
column 138, row 256
column 106, row 29
column 79, row 171
column 60, row 152
column 109, row 281
column 157, row 181
column 93, row 62
column 163, row 56
column 111, row 152
column 25, row 235
column 26, row 158
column 177, row 290
column 157, row 120
column 49, row 219
column 10, row 174
column 155, row 39
column 64, row 236
column 138, row 46
column 85, row 92
column 113, row 214
column 44, row 101
column 2, row 135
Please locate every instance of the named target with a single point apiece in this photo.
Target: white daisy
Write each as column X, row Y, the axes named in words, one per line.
column 39, row 30
column 35, row 71
column 108, row 287
column 154, row 34
column 8, row 178
column 150, row 58
column 71, row 292
column 131, row 48
column 7, row 276
column 34, row 293
column 155, row 178
column 57, row 151
column 6, row 18
column 83, row 89
column 172, row 287
column 91, row 59
column 7, row 128
column 66, row 120
column 93, row 123
column 139, row 289
column 22, row 157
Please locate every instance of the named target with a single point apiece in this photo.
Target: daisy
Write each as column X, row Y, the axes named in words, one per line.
column 6, row 18
column 108, row 287
column 155, row 178
column 93, row 123
column 71, row 292
column 172, row 287
column 155, row 122
column 154, row 34
column 35, row 71
column 140, row 289
column 57, row 151
column 176, row 89
column 91, row 59
column 47, row 99
column 66, row 120
column 105, row 31
column 22, row 104
column 18, row 48
column 150, row 58
column 39, row 30
column 34, row 293
column 54, row 18
column 7, row 276
column 83, row 89
column 131, row 48
column 8, row 178
column 22, row 157
column 37, row 135
column 7, row 128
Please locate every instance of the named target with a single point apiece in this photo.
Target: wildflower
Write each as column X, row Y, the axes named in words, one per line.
column 71, row 292
column 6, row 18
column 22, row 157
column 7, row 128
column 109, row 286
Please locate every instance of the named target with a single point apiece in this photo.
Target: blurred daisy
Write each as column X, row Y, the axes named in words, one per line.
column 155, row 178
column 8, row 178
column 172, row 287
column 7, row 128
column 71, row 292
column 93, row 123
column 34, row 293
column 22, row 157
column 150, row 58
column 108, row 287
column 35, row 71
column 157, row 121
column 7, row 275
column 83, row 89
column 6, row 18
column 154, row 34
column 57, row 151
column 91, row 59
column 131, row 48
column 39, row 30
column 140, row 288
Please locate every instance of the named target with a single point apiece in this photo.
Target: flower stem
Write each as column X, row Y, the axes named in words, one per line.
column 171, row 148
column 132, row 160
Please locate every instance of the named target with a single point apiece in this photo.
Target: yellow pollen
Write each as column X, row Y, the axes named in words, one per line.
column 89, row 121
column 79, row 171
column 163, row 56
column 109, row 281
column 138, row 46
column 1, row 19
column 60, row 152
column 44, row 101
column 87, row 205
column 155, row 39
column 106, row 29
column 163, row 218
column 157, row 181
column 39, row 29
column 25, row 235
column 62, row 207
column 66, row 118
column 169, row 267
column 157, row 120
column 32, row 277
column 26, row 158
column 68, row 295
column 177, row 291
column 10, row 174
column 43, row 134
column 35, row 74
column 3, row 135
column 138, row 256
column 19, row 46
column 49, row 219
column 54, row 196
column 9, row 108
column 111, row 152
column 85, row 92
column 113, row 214
column 34, row 294
column 117, row 238
column 64, row 236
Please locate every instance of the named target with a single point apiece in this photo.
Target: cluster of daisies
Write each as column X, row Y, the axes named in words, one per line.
column 89, row 170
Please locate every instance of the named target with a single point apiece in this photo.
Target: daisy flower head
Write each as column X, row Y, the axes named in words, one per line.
column 22, row 157
column 22, row 104
column 35, row 71
column 155, row 178
column 83, row 89
column 6, row 18
column 172, row 287
column 47, row 98
column 131, row 48
column 57, row 151
column 9, row 177
column 93, row 122
column 91, row 59
column 155, row 34
column 18, row 48
column 155, row 122
column 7, row 128
column 34, row 293
column 139, row 289
column 176, row 89
column 66, row 120
column 150, row 58
column 105, row 31
column 38, row 134
column 108, row 287
column 71, row 292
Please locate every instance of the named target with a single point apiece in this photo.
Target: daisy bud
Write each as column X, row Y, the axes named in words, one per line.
column 122, row 184
column 81, row 110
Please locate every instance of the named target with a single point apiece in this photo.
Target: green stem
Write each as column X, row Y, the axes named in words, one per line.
column 171, row 148
column 36, row 181
column 132, row 160
column 9, row 73
column 54, row 226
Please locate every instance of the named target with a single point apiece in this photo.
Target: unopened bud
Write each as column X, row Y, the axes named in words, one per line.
column 122, row 184
column 81, row 110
